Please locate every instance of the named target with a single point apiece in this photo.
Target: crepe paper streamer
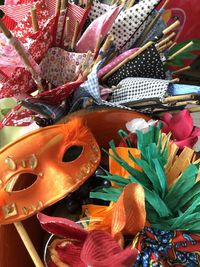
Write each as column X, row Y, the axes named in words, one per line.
column 129, row 22
column 180, row 89
column 163, row 204
column 99, row 26
column 131, row 90
column 163, row 248
column 114, row 62
column 146, row 64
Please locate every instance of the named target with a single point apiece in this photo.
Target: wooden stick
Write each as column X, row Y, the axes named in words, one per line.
column 164, row 47
column 138, row 52
column 167, row 39
column 181, row 70
column 63, row 4
column 180, row 51
column 58, row 5
column 67, row 30
column 28, row 244
column 98, row 43
column 85, row 63
column 104, row 48
column 34, row 19
column 130, row 3
column 188, row 102
column 151, row 25
column 176, row 80
column 171, row 27
column 174, row 43
column 75, row 34
column 194, row 109
column 178, row 98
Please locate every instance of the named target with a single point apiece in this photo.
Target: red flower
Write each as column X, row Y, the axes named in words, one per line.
column 81, row 248
column 184, row 133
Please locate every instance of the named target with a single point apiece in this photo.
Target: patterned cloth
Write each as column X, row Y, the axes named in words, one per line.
column 147, row 64
column 98, row 9
column 99, row 26
column 133, row 89
column 130, row 20
column 60, row 66
column 159, row 248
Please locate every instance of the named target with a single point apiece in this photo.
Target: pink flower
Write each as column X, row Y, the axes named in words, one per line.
column 184, row 133
column 81, row 248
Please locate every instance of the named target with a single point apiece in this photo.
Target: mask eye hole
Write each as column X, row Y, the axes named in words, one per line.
column 21, row 182
column 72, row 153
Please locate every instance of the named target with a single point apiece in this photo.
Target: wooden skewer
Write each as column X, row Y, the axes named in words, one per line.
column 181, row 70
column 63, row 4
column 67, row 30
column 98, row 43
column 171, row 27
column 139, row 51
column 28, row 244
column 34, row 19
column 176, row 80
column 58, row 6
column 194, row 109
column 130, row 3
column 166, row 40
column 189, row 102
column 75, row 35
column 178, row 98
column 85, row 64
column 151, row 25
column 180, row 51
column 164, row 47
column 23, row 55
column 174, row 43
column 104, row 48
column 25, row 237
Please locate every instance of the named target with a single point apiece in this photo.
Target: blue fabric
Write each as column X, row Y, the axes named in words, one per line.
column 182, row 89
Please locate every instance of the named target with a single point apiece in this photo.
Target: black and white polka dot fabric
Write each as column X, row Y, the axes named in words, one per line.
column 129, row 21
column 97, row 10
column 147, row 64
column 134, row 89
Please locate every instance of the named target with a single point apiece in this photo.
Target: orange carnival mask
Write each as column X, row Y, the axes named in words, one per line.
column 59, row 158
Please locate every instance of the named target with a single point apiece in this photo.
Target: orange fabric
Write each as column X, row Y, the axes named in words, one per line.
column 40, row 153
column 126, row 216
column 115, row 168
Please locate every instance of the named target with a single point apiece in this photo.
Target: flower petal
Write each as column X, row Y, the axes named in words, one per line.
column 66, row 252
column 62, row 227
column 181, row 125
column 189, row 142
column 129, row 214
column 100, row 250
column 196, row 131
column 166, row 117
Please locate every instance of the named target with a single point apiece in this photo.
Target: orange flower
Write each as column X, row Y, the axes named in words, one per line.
column 127, row 215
